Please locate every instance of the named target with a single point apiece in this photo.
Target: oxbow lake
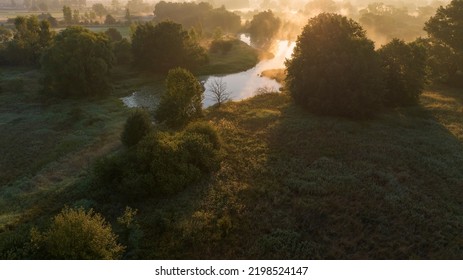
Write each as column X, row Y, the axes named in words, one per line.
column 241, row 85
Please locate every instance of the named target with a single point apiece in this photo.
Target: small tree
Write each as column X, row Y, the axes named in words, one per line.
column 264, row 27
column 76, row 234
column 182, row 102
column 110, row 20
column 136, row 127
column 218, row 93
column 99, row 9
column 67, row 14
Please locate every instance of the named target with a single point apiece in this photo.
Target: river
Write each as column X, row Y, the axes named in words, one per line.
column 240, row 85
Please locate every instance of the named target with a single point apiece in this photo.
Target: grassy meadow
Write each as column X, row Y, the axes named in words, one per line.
column 295, row 186
column 291, row 185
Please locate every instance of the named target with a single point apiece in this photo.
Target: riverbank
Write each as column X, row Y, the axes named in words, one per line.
column 240, row 58
column 291, row 185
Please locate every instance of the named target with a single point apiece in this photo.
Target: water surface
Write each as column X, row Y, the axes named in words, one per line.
column 240, row 85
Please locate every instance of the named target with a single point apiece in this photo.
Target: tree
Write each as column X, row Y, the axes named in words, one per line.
column 164, row 46
column 30, row 38
column 116, row 5
column 334, row 69
column 263, row 28
column 78, row 64
column 67, row 14
column 76, row 234
column 405, row 71
column 446, row 25
column 445, row 31
column 113, row 34
column 99, row 9
column 182, row 101
column 136, row 127
column 128, row 17
column 76, row 17
column 218, row 91
column 110, row 20
column 191, row 14
column 122, row 51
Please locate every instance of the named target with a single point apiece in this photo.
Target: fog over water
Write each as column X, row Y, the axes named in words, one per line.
column 245, row 84
column 241, row 85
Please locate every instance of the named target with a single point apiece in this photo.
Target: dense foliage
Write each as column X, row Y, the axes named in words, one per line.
column 446, row 40
column 202, row 16
column 263, row 28
column 30, row 38
column 161, row 163
column 137, row 126
column 78, row 64
column 334, row 69
column 76, row 234
column 405, row 72
column 182, row 100
column 164, row 46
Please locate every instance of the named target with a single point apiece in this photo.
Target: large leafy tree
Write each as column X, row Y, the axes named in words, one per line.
column 405, row 71
column 164, row 46
column 30, row 38
column 446, row 25
column 445, row 30
column 78, row 64
column 182, row 101
column 334, row 69
column 264, row 27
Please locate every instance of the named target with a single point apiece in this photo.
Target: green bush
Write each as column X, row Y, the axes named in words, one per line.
column 77, row 234
column 207, row 130
column 136, row 127
column 161, row 163
column 404, row 66
column 164, row 164
column 200, row 152
column 182, row 101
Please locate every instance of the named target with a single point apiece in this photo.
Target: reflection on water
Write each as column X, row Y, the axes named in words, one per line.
column 245, row 84
column 240, row 85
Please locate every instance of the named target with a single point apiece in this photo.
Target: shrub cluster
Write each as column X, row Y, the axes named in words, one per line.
column 335, row 70
column 162, row 163
column 76, row 234
column 136, row 127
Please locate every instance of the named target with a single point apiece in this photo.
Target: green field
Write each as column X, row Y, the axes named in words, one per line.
column 292, row 185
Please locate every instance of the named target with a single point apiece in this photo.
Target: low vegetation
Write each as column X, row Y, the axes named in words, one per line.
column 76, row 234
column 278, row 176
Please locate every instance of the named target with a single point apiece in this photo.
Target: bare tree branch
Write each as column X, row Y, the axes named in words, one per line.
column 217, row 90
